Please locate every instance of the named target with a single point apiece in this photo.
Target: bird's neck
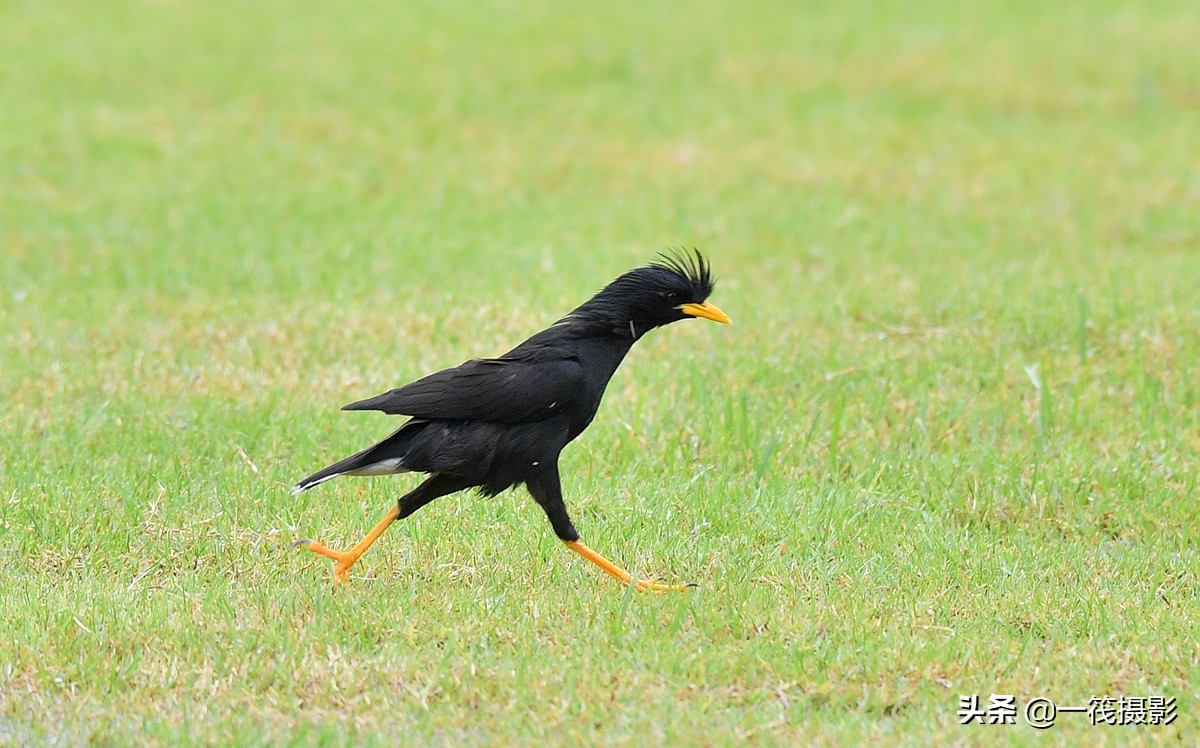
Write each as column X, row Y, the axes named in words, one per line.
column 596, row 317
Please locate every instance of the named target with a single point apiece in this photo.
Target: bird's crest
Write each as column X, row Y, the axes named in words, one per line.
column 689, row 265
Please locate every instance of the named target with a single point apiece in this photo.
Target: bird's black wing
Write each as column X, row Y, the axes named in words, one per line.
column 501, row 390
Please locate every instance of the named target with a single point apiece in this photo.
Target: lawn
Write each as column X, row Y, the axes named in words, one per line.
column 949, row 447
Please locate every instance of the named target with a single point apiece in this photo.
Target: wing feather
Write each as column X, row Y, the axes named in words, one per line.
column 500, row 390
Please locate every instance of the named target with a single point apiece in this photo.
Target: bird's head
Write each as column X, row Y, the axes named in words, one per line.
column 675, row 286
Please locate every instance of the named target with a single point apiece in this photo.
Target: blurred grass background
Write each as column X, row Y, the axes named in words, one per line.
column 949, row 447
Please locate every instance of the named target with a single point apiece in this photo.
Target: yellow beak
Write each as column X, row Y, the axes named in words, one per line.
column 707, row 311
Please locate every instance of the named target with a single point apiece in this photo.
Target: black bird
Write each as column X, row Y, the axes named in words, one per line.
column 495, row 423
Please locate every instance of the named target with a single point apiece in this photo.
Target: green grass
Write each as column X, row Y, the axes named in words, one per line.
column 950, row 446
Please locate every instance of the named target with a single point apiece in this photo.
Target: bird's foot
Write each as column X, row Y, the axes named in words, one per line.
column 641, row 585
column 342, row 560
column 645, row 585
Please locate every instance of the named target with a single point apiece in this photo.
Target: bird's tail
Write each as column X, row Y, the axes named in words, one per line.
column 338, row 468
column 383, row 458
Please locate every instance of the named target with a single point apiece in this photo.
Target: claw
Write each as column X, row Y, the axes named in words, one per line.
column 342, row 561
column 645, row 585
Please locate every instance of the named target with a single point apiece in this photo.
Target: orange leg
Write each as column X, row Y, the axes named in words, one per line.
column 346, row 559
column 642, row 585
